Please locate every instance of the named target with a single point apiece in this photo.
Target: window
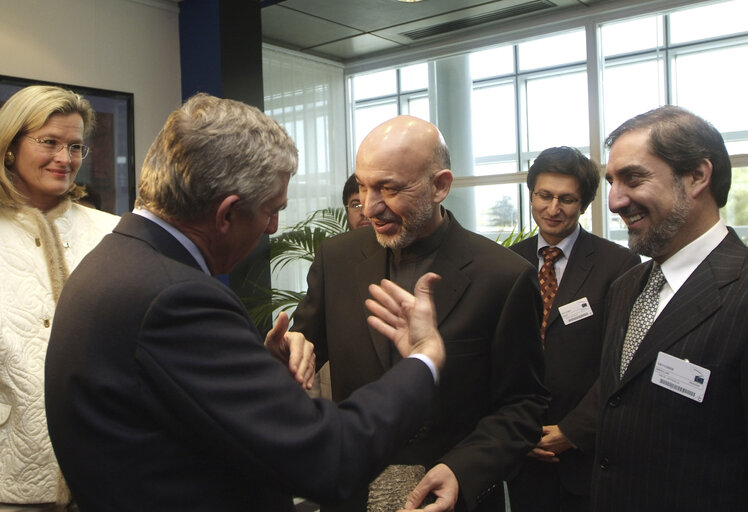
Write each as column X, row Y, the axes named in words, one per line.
column 535, row 93
column 385, row 94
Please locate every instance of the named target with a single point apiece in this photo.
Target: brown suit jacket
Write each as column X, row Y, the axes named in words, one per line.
column 491, row 396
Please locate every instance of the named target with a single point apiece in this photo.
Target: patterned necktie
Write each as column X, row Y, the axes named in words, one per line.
column 642, row 316
column 548, row 284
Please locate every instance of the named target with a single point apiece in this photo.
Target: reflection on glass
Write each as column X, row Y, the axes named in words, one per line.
column 494, row 129
column 632, row 35
column 374, row 85
column 553, row 51
column 557, row 111
column 369, row 117
column 719, row 97
column 414, row 78
column 631, row 89
column 710, row 21
column 493, row 62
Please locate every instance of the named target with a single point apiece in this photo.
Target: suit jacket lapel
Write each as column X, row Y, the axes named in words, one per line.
column 449, row 262
column 371, row 269
column 695, row 301
column 578, row 268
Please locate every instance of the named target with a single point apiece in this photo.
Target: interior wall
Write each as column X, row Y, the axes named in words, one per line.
column 123, row 45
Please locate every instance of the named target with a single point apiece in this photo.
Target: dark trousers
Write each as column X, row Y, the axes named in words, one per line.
column 538, row 488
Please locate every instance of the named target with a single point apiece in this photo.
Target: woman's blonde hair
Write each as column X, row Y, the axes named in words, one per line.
column 28, row 110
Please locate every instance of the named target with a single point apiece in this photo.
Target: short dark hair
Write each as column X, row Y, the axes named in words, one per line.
column 350, row 188
column 571, row 162
column 683, row 140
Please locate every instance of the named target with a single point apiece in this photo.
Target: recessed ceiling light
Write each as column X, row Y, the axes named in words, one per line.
column 409, row 1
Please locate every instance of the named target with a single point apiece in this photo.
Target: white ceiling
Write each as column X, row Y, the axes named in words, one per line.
column 350, row 30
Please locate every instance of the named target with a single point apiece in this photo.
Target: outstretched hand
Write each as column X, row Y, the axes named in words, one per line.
column 408, row 320
column 439, row 482
column 293, row 350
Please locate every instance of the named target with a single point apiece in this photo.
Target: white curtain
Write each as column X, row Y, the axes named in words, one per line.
column 307, row 97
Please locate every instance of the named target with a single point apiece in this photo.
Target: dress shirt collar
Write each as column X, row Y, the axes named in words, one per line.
column 181, row 237
column 681, row 265
column 566, row 245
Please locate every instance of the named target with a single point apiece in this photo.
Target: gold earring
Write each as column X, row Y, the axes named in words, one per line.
column 10, row 159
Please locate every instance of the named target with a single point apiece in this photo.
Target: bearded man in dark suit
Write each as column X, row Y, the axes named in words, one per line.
column 562, row 182
column 673, row 430
column 491, row 396
column 160, row 393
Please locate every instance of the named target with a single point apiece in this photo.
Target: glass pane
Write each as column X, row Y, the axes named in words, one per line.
column 368, row 118
column 739, row 147
column 419, row 107
column 375, row 85
column 414, row 78
column 557, row 113
column 632, row 35
column 719, row 98
column 496, row 168
column 709, row 21
column 617, row 230
column 494, row 128
column 631, row 89
column 553, row 51
column 493, row 62
column 490, row 210
column 735, row 212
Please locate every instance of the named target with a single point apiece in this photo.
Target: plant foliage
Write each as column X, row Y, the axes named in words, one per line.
column 300, row 243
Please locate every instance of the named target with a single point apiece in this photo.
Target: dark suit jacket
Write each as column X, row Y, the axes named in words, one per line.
column 658, row 450
column 572, row 352
column 161, row 395
column 491, row 396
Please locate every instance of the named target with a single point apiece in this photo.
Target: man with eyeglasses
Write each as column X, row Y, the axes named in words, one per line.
column 575, row 271
column 354, row 209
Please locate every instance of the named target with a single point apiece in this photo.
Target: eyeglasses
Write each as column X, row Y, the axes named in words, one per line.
column 545, row 198
column 355, row 206
column 53, row 146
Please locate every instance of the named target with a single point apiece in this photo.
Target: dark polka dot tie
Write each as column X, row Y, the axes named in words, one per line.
column 642, row 315
column 548, row 283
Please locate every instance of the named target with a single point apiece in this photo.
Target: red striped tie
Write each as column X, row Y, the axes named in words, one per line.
column 548, row 284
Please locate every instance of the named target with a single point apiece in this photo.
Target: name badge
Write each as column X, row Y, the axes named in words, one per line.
column 575, row 311
column 681, row 376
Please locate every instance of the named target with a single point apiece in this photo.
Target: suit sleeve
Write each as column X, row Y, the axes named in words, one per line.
column 580, row 425
column 206, row 375
column 502, row 438
column 309, row 317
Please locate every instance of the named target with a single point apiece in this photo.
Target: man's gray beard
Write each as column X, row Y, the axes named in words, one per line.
column 411, row 229
column 654, row 241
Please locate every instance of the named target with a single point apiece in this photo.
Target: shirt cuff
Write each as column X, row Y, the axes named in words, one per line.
column 428, row 362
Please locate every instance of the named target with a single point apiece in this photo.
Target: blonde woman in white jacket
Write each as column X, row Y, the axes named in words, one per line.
column 44, row 234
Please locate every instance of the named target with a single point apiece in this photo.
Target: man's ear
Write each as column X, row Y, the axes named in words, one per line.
column 225, row 213
column 442, row 183
column 700, row 179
